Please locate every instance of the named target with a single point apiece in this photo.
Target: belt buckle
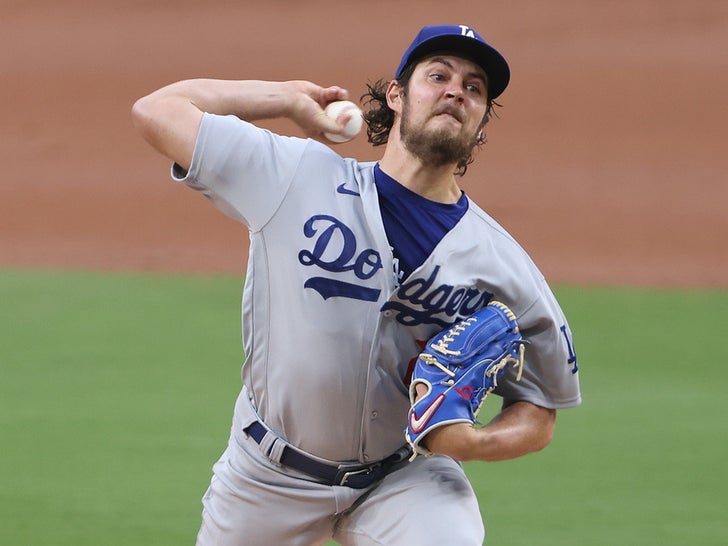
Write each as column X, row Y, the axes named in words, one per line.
column 343, row 475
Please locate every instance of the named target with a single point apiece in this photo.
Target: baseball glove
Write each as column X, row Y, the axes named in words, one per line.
column 460, row 366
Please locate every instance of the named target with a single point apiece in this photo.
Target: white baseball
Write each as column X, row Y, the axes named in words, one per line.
column 353, row 126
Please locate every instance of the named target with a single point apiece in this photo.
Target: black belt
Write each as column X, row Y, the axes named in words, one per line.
column 356, row 476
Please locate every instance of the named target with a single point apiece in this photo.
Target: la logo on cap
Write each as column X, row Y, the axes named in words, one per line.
column 467, row 31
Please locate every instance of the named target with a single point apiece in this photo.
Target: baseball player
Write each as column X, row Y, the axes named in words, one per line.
column 353, row 267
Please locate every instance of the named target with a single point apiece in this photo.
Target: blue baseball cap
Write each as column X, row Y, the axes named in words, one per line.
column 460, row 40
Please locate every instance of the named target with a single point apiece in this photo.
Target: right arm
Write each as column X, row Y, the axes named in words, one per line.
column 170, row 117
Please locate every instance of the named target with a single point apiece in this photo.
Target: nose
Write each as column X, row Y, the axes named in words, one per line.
column 455, row 91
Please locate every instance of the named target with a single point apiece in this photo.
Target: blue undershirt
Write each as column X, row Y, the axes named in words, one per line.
column 414, row 225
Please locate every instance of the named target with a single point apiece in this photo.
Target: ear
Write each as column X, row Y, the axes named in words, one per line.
column 394, row 96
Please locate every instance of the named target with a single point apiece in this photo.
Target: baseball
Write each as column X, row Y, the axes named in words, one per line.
column 353, row 126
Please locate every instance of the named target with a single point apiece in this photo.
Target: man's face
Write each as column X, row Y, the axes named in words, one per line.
column 443, row 109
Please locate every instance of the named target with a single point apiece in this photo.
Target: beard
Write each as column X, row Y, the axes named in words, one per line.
column 436, row 147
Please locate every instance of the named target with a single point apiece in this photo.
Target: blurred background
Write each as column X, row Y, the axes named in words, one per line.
column 606, row 161
column 119, row 290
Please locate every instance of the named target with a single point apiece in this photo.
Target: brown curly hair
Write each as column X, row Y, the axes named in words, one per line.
column 379, row 117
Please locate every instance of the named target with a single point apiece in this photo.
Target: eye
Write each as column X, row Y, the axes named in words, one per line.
column 474, row 88
column 437, row 76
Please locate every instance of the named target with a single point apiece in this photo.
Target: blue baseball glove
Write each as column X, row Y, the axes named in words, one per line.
column 460, row 366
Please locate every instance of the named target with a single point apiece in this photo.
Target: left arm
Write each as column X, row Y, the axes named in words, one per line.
column 520, row 428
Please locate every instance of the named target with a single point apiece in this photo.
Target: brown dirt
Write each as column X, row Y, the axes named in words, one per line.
column 605, row 163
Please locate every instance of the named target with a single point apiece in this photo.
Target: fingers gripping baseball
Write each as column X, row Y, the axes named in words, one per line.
column 349, row 118
column 459, row 368
column 336, row 119
column 308, row 102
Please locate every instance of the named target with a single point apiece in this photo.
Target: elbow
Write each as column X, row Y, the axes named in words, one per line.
column 534, row 425
column 141, row 116
column 169, row 124
column 543, row 441
column 545, row 431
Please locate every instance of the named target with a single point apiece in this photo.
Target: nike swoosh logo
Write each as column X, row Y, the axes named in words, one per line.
column 342, row 189
column 418, row 424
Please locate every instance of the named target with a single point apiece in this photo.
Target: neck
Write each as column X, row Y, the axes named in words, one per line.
column 434, row 183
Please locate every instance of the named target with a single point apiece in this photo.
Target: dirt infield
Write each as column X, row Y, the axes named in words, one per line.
column 607, row 160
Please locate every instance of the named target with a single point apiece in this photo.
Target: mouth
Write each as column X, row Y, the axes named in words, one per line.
column 451, row 112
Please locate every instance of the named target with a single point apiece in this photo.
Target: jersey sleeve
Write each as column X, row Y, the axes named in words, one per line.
column 550, row 373
column 245, row 171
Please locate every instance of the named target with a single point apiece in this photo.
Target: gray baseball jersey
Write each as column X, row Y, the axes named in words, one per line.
column 329, row 333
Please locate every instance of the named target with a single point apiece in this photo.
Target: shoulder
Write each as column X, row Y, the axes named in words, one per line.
column 493, row 238
column 482, row 220
column 507, row 269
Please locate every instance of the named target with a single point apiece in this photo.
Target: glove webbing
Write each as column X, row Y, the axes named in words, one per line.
column 517, row 363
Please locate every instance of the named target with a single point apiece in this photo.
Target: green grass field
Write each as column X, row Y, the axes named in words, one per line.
column 116, row 394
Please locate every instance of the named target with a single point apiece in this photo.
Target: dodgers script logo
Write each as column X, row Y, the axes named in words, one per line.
column 335, row 250
column 422, row 301
column 417, row 301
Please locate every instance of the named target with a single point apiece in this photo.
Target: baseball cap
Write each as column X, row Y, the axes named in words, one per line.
column 460, row 39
